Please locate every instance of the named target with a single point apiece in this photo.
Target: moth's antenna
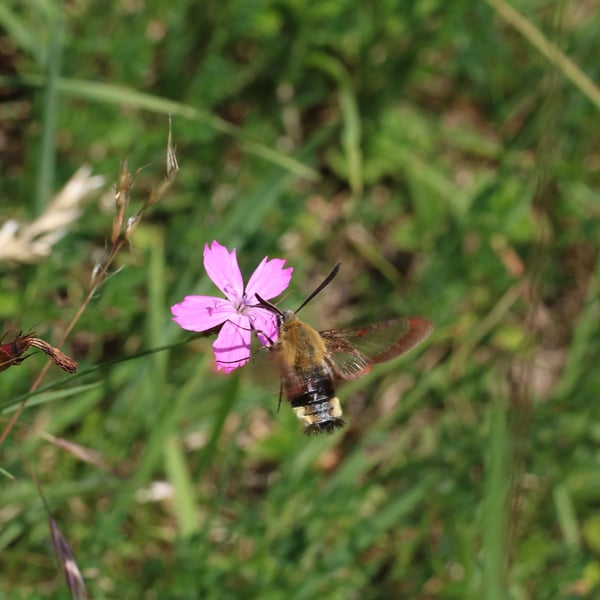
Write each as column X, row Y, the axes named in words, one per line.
column 325, row 283
column 274, row 309
column 266, row 304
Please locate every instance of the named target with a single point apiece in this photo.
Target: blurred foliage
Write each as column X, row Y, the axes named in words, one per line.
column 451, row 169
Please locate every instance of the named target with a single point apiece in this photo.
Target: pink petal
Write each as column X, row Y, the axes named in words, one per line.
column 232, row 347
column 199, row 313
column 269, row 279
column 264, row 322
column 223, row 269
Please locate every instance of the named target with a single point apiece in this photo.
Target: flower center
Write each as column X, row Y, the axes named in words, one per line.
column 243, row 304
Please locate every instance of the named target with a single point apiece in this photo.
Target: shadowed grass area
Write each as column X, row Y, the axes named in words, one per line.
column 446, row 154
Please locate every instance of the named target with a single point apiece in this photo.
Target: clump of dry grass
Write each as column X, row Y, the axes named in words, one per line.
column 31, row 242
column 62, row 211
column 34, row 241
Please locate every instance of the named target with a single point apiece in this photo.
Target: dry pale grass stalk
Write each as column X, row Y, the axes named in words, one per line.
column 122, row 228
column 31, row 242
column 66, row 559
column 67, row 562
column 80, row 452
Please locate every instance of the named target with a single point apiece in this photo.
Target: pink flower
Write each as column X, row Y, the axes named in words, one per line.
column 238, row 314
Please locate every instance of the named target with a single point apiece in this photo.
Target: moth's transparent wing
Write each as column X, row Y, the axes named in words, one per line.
column 344, row 358
column 353, row 351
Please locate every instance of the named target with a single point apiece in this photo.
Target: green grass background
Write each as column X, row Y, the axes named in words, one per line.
column 449, row 160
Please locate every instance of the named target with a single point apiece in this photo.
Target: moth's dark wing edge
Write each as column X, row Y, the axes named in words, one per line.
column 418, row 330
column 354, row 350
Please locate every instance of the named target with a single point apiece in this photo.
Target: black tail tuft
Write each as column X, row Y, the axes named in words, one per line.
column 327, row 426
